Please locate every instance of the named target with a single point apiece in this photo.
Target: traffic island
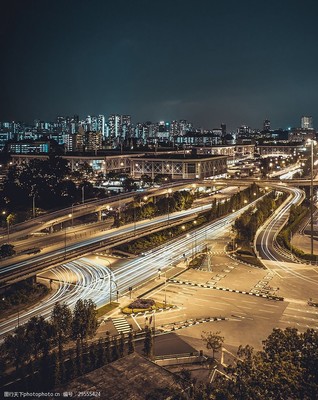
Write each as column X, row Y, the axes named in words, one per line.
column 144, row 305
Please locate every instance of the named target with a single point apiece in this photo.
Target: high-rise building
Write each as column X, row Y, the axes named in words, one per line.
column 267, row 125
column 101, row 125
column 119, row 125
column 306, row 122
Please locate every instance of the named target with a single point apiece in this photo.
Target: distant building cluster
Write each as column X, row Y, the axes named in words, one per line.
column 96, row 133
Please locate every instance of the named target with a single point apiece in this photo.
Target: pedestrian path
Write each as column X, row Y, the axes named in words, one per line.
column 121, row 324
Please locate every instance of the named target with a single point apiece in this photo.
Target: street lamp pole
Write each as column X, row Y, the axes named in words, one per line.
column 33, row 205
column 165, row 283
column 8, row 228
column 312, row 200
column 165, row 288
column 83, row 194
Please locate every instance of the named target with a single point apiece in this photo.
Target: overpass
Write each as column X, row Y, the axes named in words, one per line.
column 49, row 220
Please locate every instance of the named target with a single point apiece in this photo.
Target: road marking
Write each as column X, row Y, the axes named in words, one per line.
column 268, row 311
column 139, row 327
column 260, row 316
column 121, row 324
column 302, row 310
column 299, row 317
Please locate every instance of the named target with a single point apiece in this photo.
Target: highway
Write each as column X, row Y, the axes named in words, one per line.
column 87, row 278
column 265, row 237
column 298, row 281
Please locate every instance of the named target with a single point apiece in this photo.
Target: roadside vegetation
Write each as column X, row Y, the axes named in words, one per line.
column 42, row 353
column 245, row 226
column 50, row 184
column 296, row 218
column 45, row 354
column 185, row 199
column 285, row 368
column 22, row 293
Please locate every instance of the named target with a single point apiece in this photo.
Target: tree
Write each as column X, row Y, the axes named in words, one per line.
column 79, row 357
column 61, row 321
column 148, row 343
column 84, row 322
column 286, row 368
column 70, row 366
column 56, row 367
column 131, row 343
column 107, row 348
column 213, row 341
column 114, row 349
column 6, row 250
column 101, row 359
column 16, row 347
column 121, row 346
column 93, row 355
column 38, row 335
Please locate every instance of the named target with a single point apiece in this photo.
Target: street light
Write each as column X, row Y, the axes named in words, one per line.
column 195, row 239
column 70, row 216
column 168, row 197
column 165, row 283
column 312, row 200
column 110, row 289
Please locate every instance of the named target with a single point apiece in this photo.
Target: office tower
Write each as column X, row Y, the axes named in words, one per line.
column 223, row 128
column 101, row 124
column 267, row 125
column 119, row 125
column 306, row 122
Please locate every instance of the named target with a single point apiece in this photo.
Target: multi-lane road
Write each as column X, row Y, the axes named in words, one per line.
column 96, row 278
column 93, row 278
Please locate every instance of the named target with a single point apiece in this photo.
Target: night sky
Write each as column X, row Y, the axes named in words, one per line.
column 232, row 61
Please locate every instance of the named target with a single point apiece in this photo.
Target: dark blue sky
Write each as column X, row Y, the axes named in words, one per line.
column 206, row 61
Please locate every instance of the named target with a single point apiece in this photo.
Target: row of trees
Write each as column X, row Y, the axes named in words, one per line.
column 235, row 202
column 21, row 293
column 247, row 224
column 50, row 182
column 296, row 218
column 158, row 238
column 30, row 346
column 48, row 353
column 286, row 368
column 178, row 201
column 143, row 208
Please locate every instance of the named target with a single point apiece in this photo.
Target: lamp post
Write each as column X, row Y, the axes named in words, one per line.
column 195, row 238
column 168, row 206
column 33, row 205
column 312, row 200
column 70, row 216
column 165, row 283
column 83, row 194
column 110, row 289
column 8, row 227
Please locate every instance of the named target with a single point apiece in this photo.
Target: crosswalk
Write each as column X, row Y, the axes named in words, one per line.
column 121, row 324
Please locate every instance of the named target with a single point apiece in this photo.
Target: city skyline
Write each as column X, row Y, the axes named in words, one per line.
column 237, row 63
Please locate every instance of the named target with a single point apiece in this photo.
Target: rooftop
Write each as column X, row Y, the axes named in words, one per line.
column 132, row 377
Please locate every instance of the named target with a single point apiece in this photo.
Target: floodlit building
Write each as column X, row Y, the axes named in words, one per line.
column 178, row 166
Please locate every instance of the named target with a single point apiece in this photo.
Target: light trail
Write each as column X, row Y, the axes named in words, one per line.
column 267, row 238
column 87, row 279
